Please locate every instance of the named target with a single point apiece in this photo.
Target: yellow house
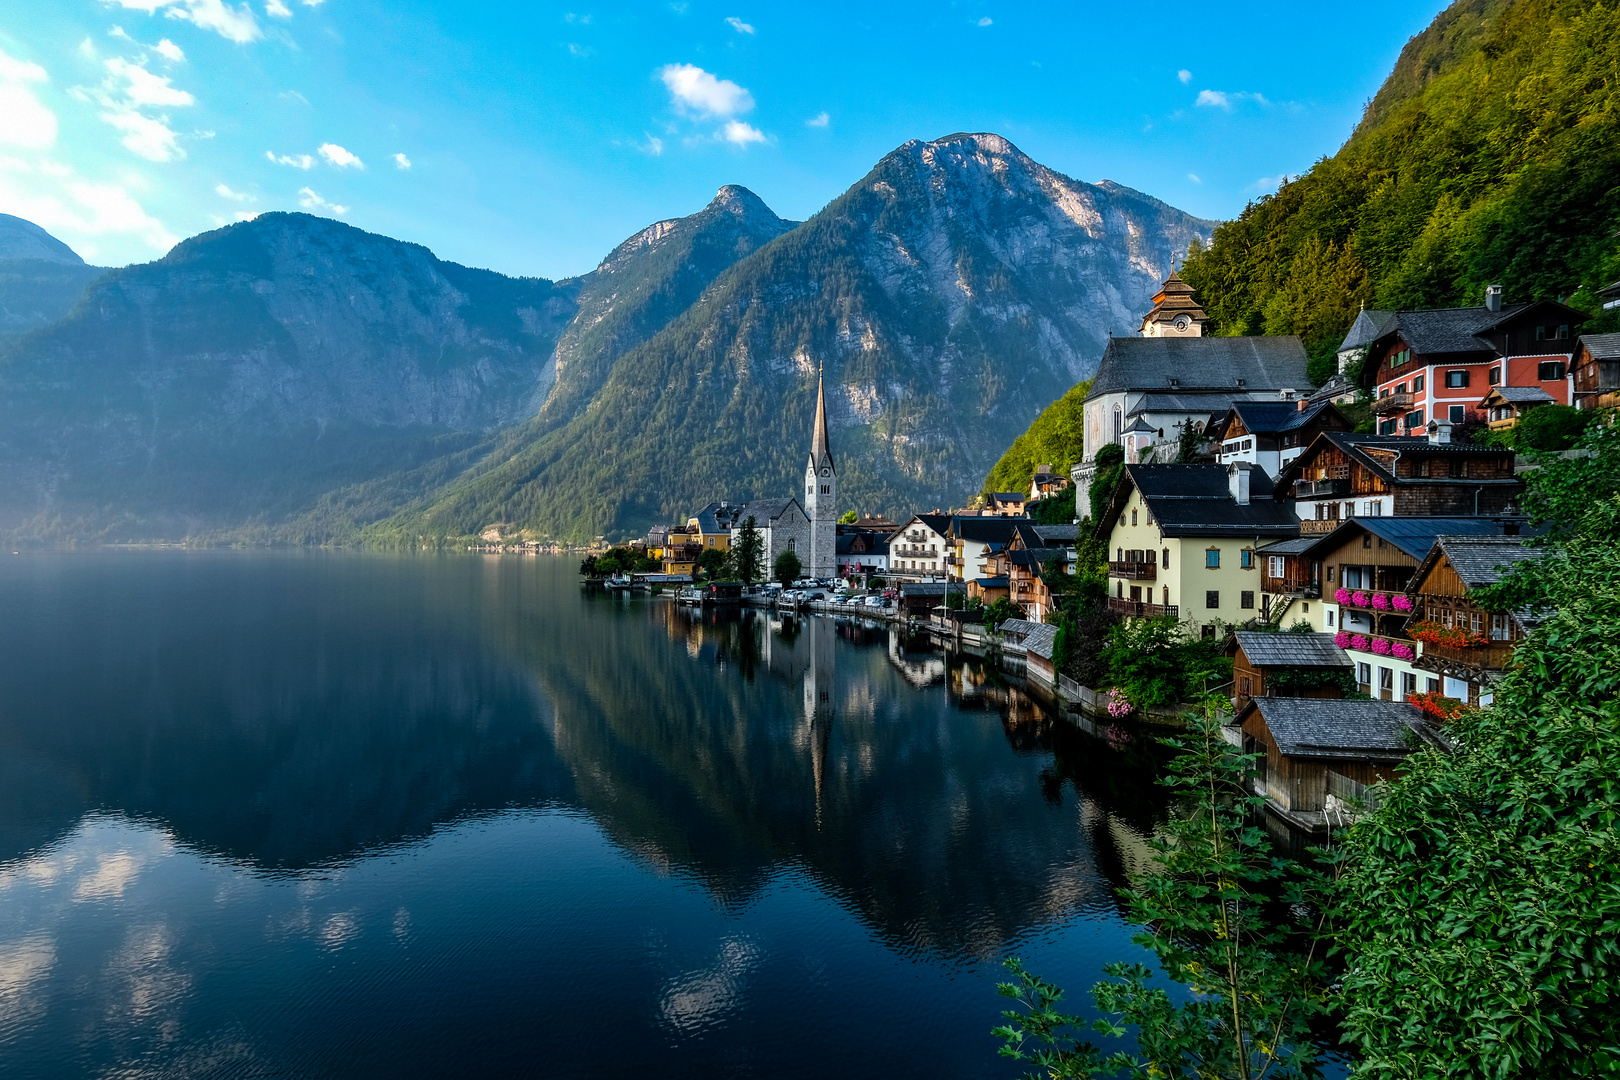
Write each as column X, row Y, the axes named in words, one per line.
column 711, row 526
column 1181, row 541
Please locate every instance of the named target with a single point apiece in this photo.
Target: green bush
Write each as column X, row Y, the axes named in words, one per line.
column 1551, row 427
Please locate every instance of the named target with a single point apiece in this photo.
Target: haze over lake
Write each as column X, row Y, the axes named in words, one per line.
column 343, row 815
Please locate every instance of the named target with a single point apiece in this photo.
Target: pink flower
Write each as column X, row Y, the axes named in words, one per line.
column 1342, row 638
column 1381, row 602
column 1359, row 599
column 1118, row 704
column 1381, row 647
column 1403, row 652
column 1402, row 604
column 1358, row 642
column 1341, row 596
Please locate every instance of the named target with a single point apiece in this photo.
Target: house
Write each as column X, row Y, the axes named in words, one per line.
column 918, row 599
column 1148, row 390
column 1365, row 569
column 1595, row 369
column 919, row 548
column 680, row 554
column 1287, row 575
column 1271, row 664
column 657, row 540
column 1270, row 434
column 1342, row 475
column 1046, row 482
column 875, row 523
column 1029, row 557
column 971, row 538
column 782, row 526
column 711, row 526
column 1037, row 641
column 1436, row 364
column 1505, row 406
column 1183, row 540
column 1464, row 643
column 1312, row 748
column 1007, row 503
column 862, row 551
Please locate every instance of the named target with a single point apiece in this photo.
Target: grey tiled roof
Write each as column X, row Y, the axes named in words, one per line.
column 1335, row 728
column 1195, row 401
column 1040, row 638
column 1603, row 346
column 1288, row 547
column 1017, row 626
column 1196, row 500
column 1480, row 560
column 1520, row 395
column 1450, row 330
column 1416, row 535
column 1370, row 324
column 991, row 582
column 764, row 511
column 984, row 530
column 1263, row 363
column 1060, row 533
column 1294, row 650
column 928, row 588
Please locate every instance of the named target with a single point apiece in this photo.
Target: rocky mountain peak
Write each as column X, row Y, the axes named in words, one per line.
column 20, row 239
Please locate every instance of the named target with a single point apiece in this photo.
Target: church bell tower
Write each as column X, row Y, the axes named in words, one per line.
column 821, row 496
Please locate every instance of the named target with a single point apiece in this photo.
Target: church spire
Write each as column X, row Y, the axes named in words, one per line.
column 820, row 446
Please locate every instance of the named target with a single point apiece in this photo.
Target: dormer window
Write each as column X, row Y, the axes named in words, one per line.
column 1241, row 382
column 1175, row 383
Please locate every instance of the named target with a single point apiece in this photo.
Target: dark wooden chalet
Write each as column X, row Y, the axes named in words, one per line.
column 1596, row 367
column 1442, row 589
column 1265, row 432
column 1342, row 476
column 1267, row 664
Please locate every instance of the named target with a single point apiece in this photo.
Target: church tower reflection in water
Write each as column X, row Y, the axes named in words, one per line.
column 819, row 677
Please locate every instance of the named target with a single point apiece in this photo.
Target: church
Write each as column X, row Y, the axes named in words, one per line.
column 810, row 531
column 1150, row 387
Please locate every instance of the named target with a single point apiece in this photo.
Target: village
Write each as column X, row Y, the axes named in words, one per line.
column 1334, row 570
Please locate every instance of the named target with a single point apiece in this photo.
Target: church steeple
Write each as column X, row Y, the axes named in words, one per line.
column 1176, row 311
column 820, row 446
column 821, row 494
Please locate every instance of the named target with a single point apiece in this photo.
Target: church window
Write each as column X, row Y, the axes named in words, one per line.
column 790, row 543
column 1119, row 423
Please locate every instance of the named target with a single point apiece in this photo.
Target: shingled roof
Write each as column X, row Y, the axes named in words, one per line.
column 1358, row 446
column 1519, row 395
column 1450, row 330
column 1196, row 500
column 1291, row 650
column 1370, row 325
column 1416, row 535
column 1602, row 346
column 1338, row 728
column 1261, row 363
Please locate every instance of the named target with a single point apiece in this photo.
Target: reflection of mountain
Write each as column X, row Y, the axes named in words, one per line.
column 289, row 711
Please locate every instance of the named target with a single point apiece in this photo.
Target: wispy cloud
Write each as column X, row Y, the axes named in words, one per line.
column 128, row 89
column 293, row 95
column 169, row 51
column 340, row 157
column 582, row 20
column 821, row 119
column 986, row 21
column 741, row 134
column 310, row 200
column 690, row 87
column 738, row 25
column 654, row 145
column 225, row 192
column 297, row 161
column 1184, row 75
column 401, row 161
column 1194, row 178
column 54, row 197
column 277, row 10
column 1271, row 183
column 28, row 123
column 581, row 51
column 1221, row 99
column 236, row 24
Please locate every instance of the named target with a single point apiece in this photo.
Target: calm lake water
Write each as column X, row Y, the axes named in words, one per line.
column 322, row 815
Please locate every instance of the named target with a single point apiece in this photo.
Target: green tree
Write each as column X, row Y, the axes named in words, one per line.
column 711, row 564
column 787, row 568
column 1211, row 912
column 748, row 552
column 1110, row 462
column 1056, row 438
column 1002, row 610
column 1551, row 427
column 849, row 517
column 1157, row 662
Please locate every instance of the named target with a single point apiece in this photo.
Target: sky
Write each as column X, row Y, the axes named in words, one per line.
column 532, row 138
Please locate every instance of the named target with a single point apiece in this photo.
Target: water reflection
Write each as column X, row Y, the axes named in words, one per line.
column 223, row 777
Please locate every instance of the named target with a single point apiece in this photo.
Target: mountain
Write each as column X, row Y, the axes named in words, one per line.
column 950, row 295
column 1489, row 156
column 40, row 277
column 1056, row 437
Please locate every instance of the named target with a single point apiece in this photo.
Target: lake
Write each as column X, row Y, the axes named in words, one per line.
column 338, row 815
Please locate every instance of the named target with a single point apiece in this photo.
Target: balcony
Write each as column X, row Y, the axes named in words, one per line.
column 1393, row 403
column 1494, row 656
column 1134, row 571
column 1384, row 602
column 1393, row 648
column 1312, row 527
column 1312, row 489
column 1142, row 609
column 1293, row 585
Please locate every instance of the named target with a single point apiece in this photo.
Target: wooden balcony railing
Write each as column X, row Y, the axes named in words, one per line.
column 1311, row 526
column 1312, row 489
column 1134, row 571
column 1392, row 403
column 1492, row 657
column 1142, row 608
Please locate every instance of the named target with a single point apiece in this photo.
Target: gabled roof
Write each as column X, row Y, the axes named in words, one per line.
column 1009, row 496
column 1288, row 547
column 1518, row 395
column 1602, row 346
column 991, row 582
column 1450, row 330
column 1037, row 638
column 1370, row 325
column 1481, row 561
column 1277, row 417
column 984, row 530
column 1262, row 363
column 763, row 511
column 1196, row 500
column 940, row 523
column 1337, row 385
column 1415, row 535
column 1058, row 534
column 1291, row 649
column 1356, row 445
column 1337, row 728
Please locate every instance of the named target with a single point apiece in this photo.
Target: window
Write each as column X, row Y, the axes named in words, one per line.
column 1417, row 385
column 790, row 543
column 1495, row 378
column 1386, row 683
column 1133, row 517
column 1166, row 555
column 1136, row 594
column 1499, row 627
column 1550, row 371
column 1563, row 332
column 1408, row 684
column 1400, row 388
column 1456, row 379
column 1248, row 444
column 1246, row 558
column 1414, row 419
column 1119, row 423
column 1119, row 554
column 1431, row 686
column 1458, row 413
column 1541, row 333
column 1212, row 559
column 1212, row 598
column 1246, row 600
column 1119, row 589
column 1366, row 542
column 1388, row 427
column 1364, row 675
column 1306, row 608
column 1330, row 620
column 1274, row 566
column 1330, row 574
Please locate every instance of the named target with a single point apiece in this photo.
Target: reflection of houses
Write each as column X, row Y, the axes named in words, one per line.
column 1266, row 664
column 1466, row 644
column 819, row 683
column 920, row 667
column 1312, row 748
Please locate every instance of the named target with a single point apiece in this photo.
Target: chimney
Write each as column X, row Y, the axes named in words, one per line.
column 1439, row 433
column 1304, row 403
column 1237, row 479
column 1493, row 298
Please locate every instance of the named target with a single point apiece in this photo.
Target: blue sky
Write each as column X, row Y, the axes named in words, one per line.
column 531, row 138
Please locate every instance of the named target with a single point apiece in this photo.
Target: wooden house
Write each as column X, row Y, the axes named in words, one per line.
column 1269, row 664
column 1474, row 644
column 1342, row 476
column 1037, row 640
column 1270, row 434
column 1310, row 748
column 1595, row 371
column 1288, row 574
column 1505, row 406
column 1046, row 482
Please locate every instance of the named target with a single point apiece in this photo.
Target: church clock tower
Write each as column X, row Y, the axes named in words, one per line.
column 821, row 496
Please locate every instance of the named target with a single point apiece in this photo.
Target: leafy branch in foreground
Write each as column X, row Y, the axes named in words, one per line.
column 1215, row 912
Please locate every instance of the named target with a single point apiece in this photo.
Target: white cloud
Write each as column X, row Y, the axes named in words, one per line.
column 246, row 215
column 821, row 119
column 401, row 161
column 150, row 137
column 124, row 93
column 57, row 199
column 340, row 157
column 1184, row 75
column 169, row 51
column 580, row 51
column 140, row 88
column 740, row 133
column 692, row 87
column 313, row 3
column 233, row 23
column 297, row 161
column 277, row 10
column 293, row 95
column 1214, row 98
column 1194, row 178
column 738, row 25
column 309, row 200
column 235, row 196
column 24, row 119
column 582, row 20
column 986, row 21
column 655, row 145
column 1271, row 183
